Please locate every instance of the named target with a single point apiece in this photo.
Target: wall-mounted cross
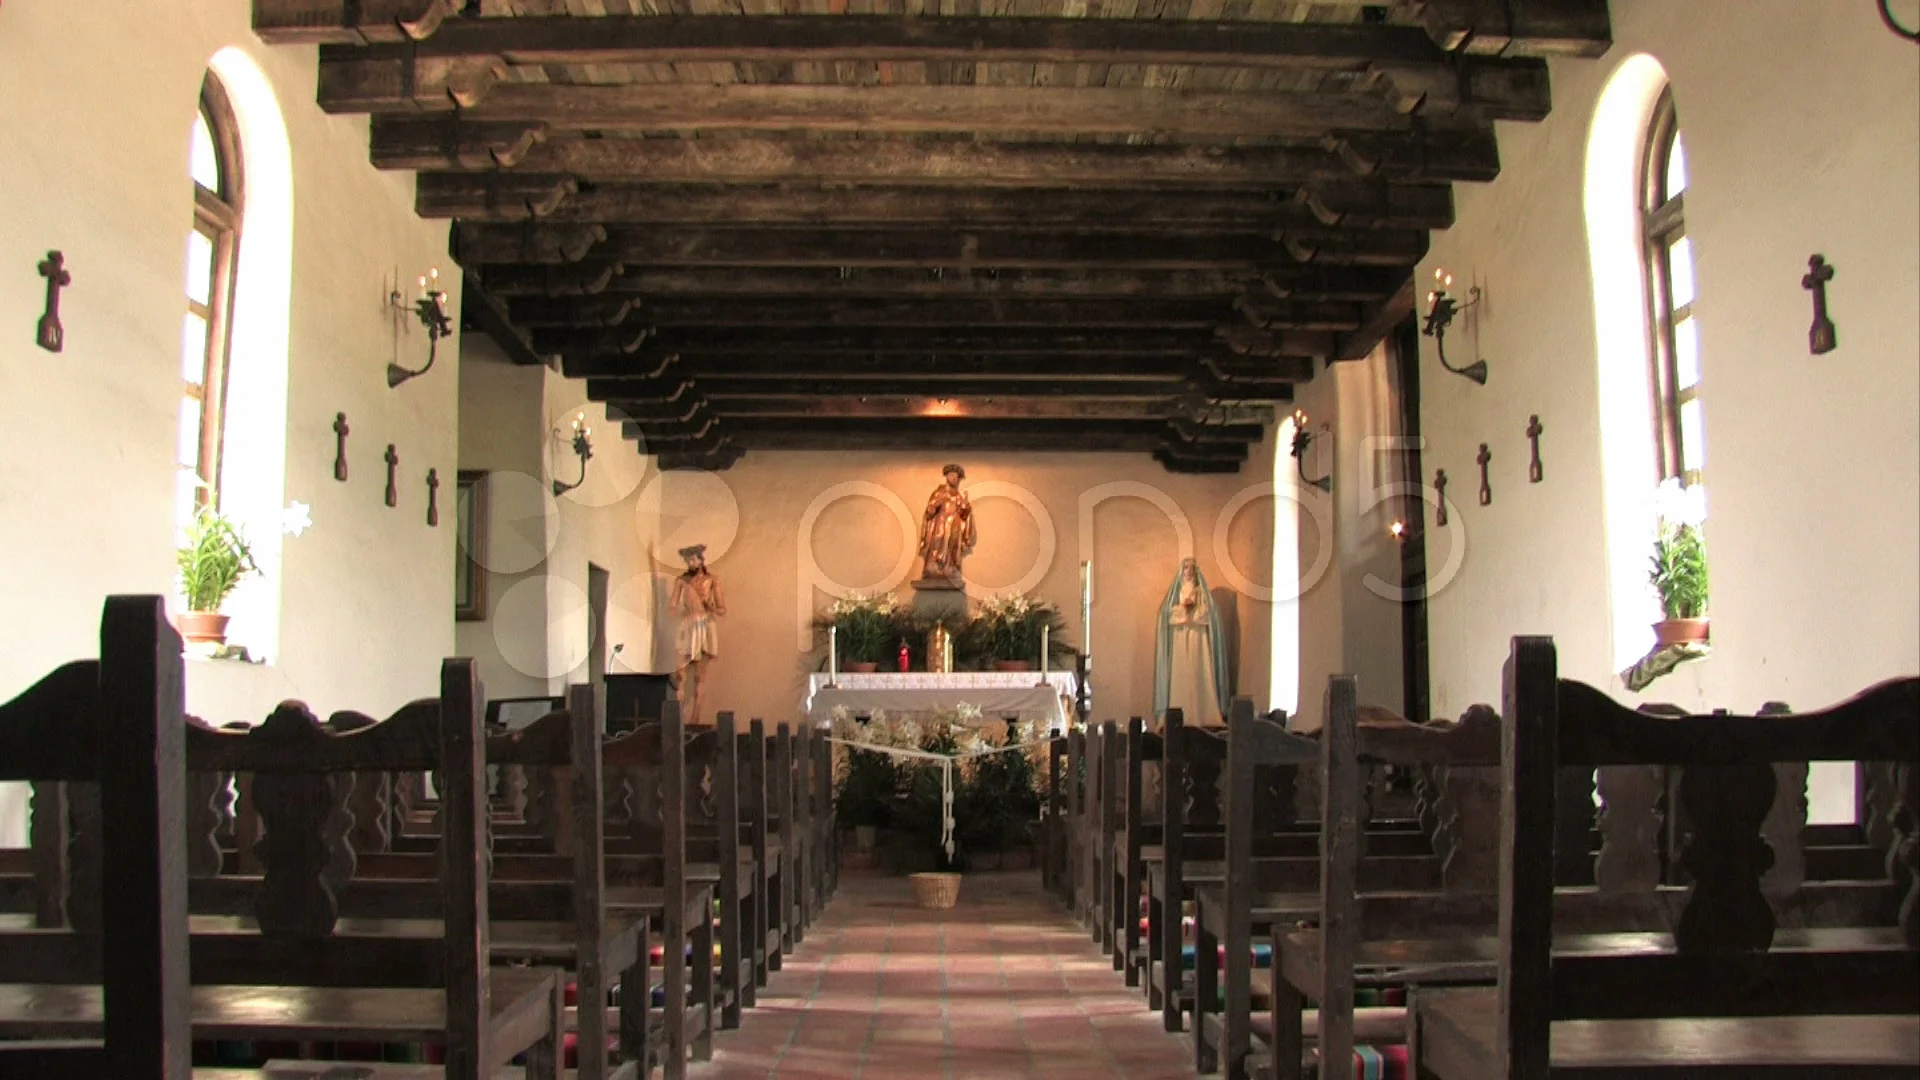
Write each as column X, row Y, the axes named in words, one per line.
column 393, row 463
column 1486, row 489
column 1821, row 337
column 433, row 498
column 1440, row 494
column 340, row 431
column 1533, row 435
column 50, row 335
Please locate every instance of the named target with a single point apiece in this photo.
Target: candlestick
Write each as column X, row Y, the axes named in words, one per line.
column 1046, row 636
column 833, row 653
column 1086, row 606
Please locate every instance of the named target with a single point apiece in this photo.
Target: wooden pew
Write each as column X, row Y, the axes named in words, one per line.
column 1134, row 832
column 1054, row 841
column 1319, row 964
column 1730, row 995
column 758, row 803
column 648, row 768
column 294, row 968
column 116, row 726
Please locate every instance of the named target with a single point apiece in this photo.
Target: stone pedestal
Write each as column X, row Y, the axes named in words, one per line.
column 940, row 600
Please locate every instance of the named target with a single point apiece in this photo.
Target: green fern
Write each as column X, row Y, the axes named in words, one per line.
column 213, row 560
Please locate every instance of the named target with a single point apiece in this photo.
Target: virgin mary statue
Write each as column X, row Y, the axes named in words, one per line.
column 1189, row 668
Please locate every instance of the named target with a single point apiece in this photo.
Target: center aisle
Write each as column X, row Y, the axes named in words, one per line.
column 1003, row 987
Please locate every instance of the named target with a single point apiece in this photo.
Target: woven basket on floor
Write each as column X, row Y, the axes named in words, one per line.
column 935, row 892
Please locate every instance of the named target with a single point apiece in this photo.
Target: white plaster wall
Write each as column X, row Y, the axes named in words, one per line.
column 1347, row 627
column 857, row 541
column 517, row 425
column 1802, row 127
column 99, row 106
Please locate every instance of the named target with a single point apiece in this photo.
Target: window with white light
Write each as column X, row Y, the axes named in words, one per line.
column 213, row 244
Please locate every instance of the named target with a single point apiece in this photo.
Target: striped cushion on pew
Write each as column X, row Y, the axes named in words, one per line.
column 1375, row 1063
column 1262, row 956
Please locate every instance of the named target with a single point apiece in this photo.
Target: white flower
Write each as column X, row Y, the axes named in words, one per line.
column 1675, row 504
column 296, row 518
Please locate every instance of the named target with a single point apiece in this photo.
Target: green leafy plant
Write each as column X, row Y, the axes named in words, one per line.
column 1679, row 565
column 1009, row 628
column 213, row 560
column 998, row 804
column 866, row 789
column 864, row 625
column 1679, row 571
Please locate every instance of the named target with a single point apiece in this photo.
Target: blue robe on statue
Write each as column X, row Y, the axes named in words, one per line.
column 1189, row 655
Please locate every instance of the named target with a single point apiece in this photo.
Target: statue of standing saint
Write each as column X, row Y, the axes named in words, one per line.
column 946, row 531
column 696, row 599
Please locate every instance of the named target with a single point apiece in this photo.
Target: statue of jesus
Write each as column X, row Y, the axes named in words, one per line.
column 946, row 531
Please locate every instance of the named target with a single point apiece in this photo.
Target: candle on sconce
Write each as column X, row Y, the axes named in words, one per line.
column 1398, row 530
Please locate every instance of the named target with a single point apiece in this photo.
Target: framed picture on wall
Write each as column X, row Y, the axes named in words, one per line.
column 470, row 540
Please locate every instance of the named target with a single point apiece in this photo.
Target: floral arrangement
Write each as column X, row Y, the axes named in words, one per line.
column 1679, row 565
column 864, row 624
column 1009, row 628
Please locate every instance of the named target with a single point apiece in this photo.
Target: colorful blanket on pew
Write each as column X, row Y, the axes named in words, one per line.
column 1374, row 1063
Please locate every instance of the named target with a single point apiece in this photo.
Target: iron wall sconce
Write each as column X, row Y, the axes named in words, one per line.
column 1441, row 309
column 1302, row 441
column 431, row 309
column 583, row 449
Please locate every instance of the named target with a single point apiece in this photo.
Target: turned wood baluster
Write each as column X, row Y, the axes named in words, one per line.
column 294, row 900
column 47, row 832
column 1306, row 794
column 336, row 830
column 1204, row 812
column 83, row 857
column 1879, row 797
column 1903, row 853
column 1469, row 807
column 1725, row 856
column 512, row 797
column 206, row 796
column 1630, row 825
column 1427, row 781
column 542, row 805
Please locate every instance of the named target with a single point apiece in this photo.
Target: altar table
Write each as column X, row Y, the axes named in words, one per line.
column 996, row 694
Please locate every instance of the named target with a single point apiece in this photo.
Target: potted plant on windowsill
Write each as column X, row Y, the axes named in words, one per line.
column 212, row 562
column 1679, row 568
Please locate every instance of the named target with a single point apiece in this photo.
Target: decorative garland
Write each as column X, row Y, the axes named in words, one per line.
column 904, row 739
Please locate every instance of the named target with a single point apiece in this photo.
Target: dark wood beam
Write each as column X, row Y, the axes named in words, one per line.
column 708, row 371
column 1182, row 116
column 509, row 196
column 1435, row 152
column 1089, row 436
column 589, row 350
column 682, row 392
column 1535, row 28
column 976, row 406
column 487, row 315
column 759, row 311
column 349, row 22
column 1380, row 320
column 1030, row 249
column 616, row 279
column 1398, row 60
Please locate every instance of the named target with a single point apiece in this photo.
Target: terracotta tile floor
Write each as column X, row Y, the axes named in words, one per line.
column 1006, row 986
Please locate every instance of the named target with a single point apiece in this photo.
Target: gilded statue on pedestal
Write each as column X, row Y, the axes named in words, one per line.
column 946, row 531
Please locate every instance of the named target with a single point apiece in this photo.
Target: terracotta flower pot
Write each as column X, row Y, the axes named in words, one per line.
column 1670, row 632
column 860, row 667
column 1013, row 665
column 203, row 626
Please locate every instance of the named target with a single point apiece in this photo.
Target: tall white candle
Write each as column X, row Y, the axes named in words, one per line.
column 1086, row 606
column 1046, row 634
column 833, row 652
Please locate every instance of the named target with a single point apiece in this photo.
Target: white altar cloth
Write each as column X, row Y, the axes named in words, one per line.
column 997, row 694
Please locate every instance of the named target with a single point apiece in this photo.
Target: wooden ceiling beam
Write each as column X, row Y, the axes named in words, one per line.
column 649, row 349
column 1185, row 116
column 1429, row 152
column 684, row 391
column 1029, row 249
column 957, row 433
column 516, row 197
column 976, row 406
column 1312, row 282
column 350, row 22
column 1046, row 314
column 1536, row 28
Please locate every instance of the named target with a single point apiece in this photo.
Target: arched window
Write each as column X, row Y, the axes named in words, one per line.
column 213, row 247
column 1674, row 342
